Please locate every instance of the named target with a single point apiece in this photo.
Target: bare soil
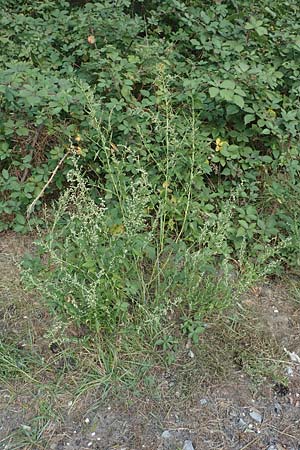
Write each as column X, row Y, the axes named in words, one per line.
column 239, row 388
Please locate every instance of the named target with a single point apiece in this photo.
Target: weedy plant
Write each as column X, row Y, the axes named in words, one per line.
column 119, row 259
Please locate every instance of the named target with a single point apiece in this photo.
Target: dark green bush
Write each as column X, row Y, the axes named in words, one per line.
column 230, row 68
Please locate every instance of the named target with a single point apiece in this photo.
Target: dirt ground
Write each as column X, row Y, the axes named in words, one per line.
column 239, row 389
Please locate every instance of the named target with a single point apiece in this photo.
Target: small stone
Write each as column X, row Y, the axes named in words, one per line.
column 166, row 435
column 277, row 408
column 242, row 424
column 203, row 402
column 255, row 415
column 188, row 445
column 294, row 357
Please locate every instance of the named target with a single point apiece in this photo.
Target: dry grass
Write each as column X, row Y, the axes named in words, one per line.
column 51, row 376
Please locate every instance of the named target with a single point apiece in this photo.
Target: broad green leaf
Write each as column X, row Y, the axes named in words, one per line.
column 213, row 92
column 249, row 118
column 227, row 94
column 20, row 219
column 5, row 174
column 228, row 84
column 238, row 100
column 261, row 31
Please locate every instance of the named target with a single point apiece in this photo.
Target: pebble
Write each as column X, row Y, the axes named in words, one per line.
column 203, row 402
column 241, row 423
column 255, row 415
column 277, row 408
column 294, row 357
column 191, row 354
column 188, row 445
column 166, row 435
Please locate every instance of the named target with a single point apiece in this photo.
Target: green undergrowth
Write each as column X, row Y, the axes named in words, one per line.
column 228, row 71
column 138, row 276
column 155, row 146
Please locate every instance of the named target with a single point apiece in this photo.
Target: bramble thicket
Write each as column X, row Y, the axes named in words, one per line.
column 173, row 131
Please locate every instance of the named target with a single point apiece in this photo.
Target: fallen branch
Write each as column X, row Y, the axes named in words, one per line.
column 32, row 205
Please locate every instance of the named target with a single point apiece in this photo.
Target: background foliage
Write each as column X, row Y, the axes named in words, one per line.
column 223, row 78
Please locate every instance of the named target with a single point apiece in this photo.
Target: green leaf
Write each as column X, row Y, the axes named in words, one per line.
column 238, row 100
column 261, row 31
column 243, row 224
column 5, row 174
column 249, row 118
column 240, row 232
column 240, row 91
column 232, row 109
column 125, row 91
column 22, row 131
column 20, row 219
column 226, row 171
column 213, row 92
column 243, row 66
column 227, row 94
column 228, row 84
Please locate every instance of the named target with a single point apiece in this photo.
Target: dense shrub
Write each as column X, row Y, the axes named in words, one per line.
column 230, row 69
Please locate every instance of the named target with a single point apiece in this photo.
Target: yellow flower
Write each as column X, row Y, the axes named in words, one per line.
column 271, row 113
column 79, row 151
column 78, row 138
column 166, row 184
column 219, row 144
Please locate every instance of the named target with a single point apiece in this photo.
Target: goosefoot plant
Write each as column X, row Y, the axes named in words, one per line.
column 111, row 276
